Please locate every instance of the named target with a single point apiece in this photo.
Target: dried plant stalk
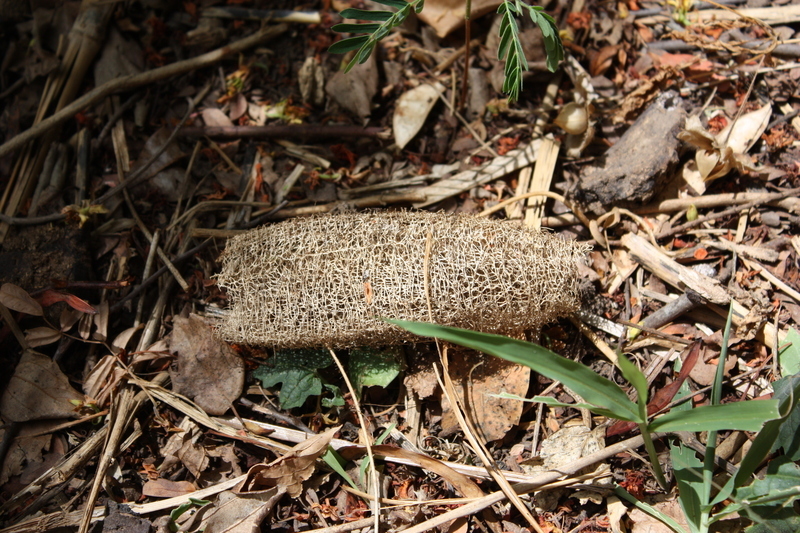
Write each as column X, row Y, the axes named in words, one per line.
column 326, row 280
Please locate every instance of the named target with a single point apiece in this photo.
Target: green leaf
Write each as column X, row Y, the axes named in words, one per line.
column 552, row 402
column 296, row 370
column 397, row 4
column 371, row 367
column 789, row 356
column 298, row 384
column 346, row 45
column 593, row 388
column 762, row 444
column 632, row 373
column 769, row 500
column 363, row 14
column 356, row 28
column 552, row 40
column 337, row 400
column 745, row 416
column 649, row 509
column 688, row 472
column 788, row 435
column 375, row 32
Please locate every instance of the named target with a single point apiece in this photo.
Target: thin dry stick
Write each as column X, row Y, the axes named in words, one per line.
column 376, row 504
column 480, row 449
column 495, row 208
column 729, row 212
column 525, row 488
column 452, row 397
column 137, row 80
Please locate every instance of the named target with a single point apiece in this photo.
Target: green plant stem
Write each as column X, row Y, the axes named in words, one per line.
column 651, row 451
column 468, row 40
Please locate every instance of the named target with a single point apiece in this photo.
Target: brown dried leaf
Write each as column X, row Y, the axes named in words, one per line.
column 240, row 513
column 478, row 379
column 42, row 336
column 206, row 369
column 288, row 472
column 38, row 390
column 164, row 488
column 718, row 154
column 444, row 16
column 16, row 299
column 50, row 296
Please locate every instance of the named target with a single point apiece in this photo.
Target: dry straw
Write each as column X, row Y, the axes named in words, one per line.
column 326, row 280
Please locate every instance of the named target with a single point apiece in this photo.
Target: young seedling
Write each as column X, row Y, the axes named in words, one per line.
column 767, row 501
column 510, row 47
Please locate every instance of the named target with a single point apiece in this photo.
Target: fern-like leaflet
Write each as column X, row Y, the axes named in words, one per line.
column 510, row 47
column 383, row 23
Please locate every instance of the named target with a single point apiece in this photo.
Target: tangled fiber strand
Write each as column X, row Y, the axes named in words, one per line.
column 326, row 280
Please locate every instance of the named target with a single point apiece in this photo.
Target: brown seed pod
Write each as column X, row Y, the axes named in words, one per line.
column 327, row 280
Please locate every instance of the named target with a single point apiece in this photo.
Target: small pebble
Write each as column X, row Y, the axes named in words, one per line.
column 705, row 269
column 771, row 218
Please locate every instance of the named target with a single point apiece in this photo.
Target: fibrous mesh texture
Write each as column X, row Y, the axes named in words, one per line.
column 326, row 280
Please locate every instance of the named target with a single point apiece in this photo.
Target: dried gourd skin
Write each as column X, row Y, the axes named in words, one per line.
column 327, row 280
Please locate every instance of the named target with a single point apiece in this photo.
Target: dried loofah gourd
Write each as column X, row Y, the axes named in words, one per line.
column 326, row 280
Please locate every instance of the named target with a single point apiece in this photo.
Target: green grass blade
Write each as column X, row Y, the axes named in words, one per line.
column 744, row 416
column 593, row 388
column 649, row 509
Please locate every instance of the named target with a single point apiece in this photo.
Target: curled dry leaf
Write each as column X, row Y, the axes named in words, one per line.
column 718, row 154
column 50, row 296
column 16, row 299
column 38, row 390
column 412, row 111
column 288, row 472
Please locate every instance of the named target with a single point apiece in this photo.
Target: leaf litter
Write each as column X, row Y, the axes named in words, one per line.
column 720, row 218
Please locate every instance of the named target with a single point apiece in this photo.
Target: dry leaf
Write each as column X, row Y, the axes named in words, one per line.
column 240, row 513
column 16, row 299
column 412, row 110
column 718, row 154
column 164, row 488
column 215, row 117
column 50, row 296
column 478, row 379
column 288, row 472
column 182, row 448
column 42, row 336
column 445, row 16
column 206, row 369
column 38, row 390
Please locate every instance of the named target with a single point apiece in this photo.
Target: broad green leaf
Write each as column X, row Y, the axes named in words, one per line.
column 296, row 370
column 363, row 14
column 298, row 384
column 788, row 435
column 790, row 525
column 346, row 45
column 337, row 400
column 745, row 416
column 762, row 444
column 593, row 388
column 789, row 356
column 769, row 500
column 688, row 473
column 356, row 28
column 372, row 367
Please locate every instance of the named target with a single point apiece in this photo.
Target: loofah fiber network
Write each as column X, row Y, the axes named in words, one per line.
column 325, row 280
